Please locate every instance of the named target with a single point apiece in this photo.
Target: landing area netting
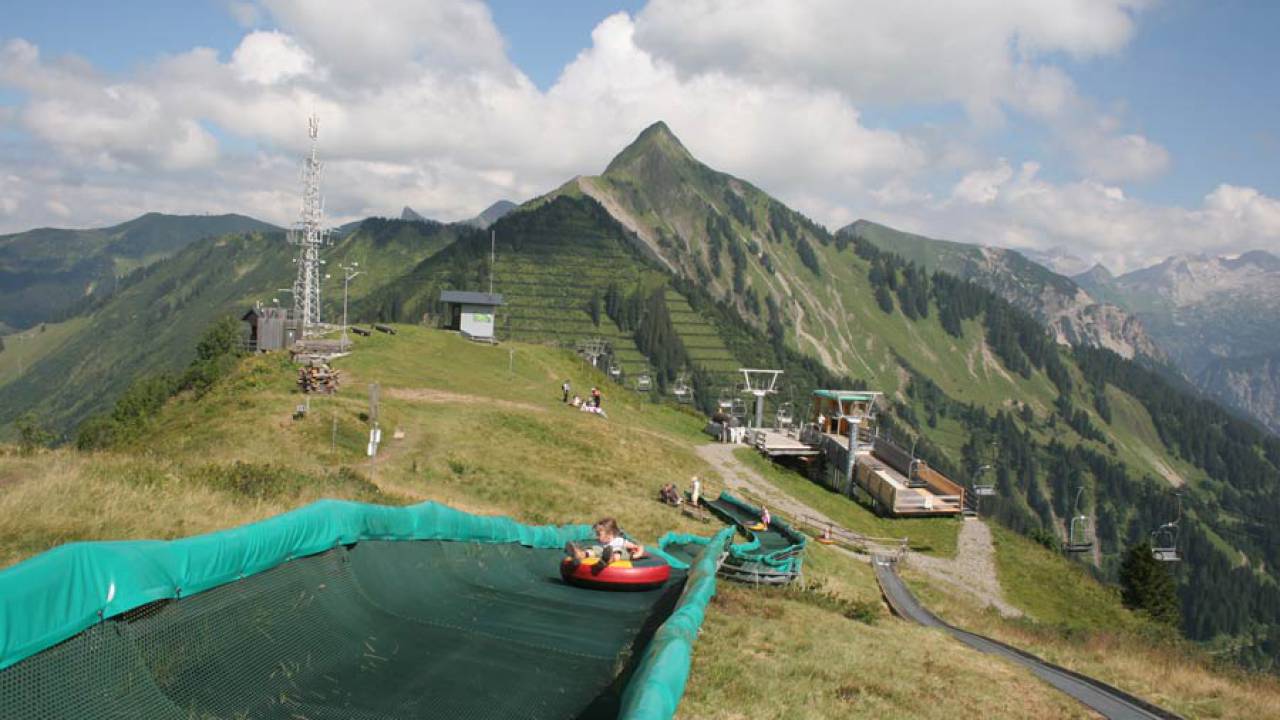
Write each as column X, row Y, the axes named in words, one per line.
column 371, row 631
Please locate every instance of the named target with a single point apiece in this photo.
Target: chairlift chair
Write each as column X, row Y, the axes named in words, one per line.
column 1079, row 537
column 1079, row 534
column 983, row 489
column 644, row 383
column 615, row 371
column 1164, row 539
column 681, row 390
column 1164, row 543
column 784, row 415
column 725, row 401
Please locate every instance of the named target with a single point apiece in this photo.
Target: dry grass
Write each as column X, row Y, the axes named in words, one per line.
column 1129, row 655
column 766, row 654
column 490, row 440
column 63, row 496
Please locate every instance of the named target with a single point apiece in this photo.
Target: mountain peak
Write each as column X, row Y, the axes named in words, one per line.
column 1097, row 272
column 656, row 142
column 411, row 215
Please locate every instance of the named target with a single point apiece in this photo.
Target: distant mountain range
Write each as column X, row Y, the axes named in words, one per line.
column 1217, row 318
column 487, row 217
column 47, row 272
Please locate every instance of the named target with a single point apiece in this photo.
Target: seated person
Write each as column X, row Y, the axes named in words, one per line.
column 612, row 545
column 669, row 495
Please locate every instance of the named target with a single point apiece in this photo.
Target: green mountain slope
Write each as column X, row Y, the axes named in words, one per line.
column 977, row 379
column 151, row 323
column 46, row 273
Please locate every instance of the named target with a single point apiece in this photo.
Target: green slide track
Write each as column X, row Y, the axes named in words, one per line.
column 772, row 556
column 374, row 613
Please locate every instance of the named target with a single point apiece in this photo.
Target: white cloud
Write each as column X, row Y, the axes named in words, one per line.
column 420, row 106
column 269, row 57
column 1094, row 220
column 982, row 187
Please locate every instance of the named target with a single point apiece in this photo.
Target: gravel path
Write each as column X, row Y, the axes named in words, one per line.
column 972, row 570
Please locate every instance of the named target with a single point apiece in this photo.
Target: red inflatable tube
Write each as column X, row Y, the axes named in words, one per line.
column 644, row 573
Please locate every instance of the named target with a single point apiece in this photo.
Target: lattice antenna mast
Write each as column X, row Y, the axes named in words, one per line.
column 309, row 235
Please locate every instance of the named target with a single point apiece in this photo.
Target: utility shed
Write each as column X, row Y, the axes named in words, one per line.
column 269, row 328
column 472, row 313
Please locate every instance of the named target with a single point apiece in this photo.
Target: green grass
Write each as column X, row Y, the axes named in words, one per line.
column 22, row 350
column 932, row 536
column 484, row 430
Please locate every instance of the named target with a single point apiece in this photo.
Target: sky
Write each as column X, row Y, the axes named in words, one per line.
column 1113, row 131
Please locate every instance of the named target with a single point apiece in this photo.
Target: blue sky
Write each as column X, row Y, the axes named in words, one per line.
column 1169, row 113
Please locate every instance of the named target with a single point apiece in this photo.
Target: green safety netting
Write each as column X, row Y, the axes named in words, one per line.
column 327, row 612
column 779, row 547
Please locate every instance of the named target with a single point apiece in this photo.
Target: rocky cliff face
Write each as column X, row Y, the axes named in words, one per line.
column 1218, row 318
column 1249, row 384
column 1073, row 314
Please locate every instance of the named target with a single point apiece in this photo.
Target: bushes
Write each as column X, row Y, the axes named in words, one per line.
column 217, row 353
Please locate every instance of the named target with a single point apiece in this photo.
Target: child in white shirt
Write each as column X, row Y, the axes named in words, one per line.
column 612, row 545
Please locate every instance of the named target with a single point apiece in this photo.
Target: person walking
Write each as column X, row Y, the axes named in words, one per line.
column 595, row 396
column 566, row 388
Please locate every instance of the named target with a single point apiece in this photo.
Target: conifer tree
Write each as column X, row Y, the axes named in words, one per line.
column 1145, row 585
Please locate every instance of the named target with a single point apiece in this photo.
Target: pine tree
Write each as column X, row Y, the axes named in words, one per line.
column 1146, row 586
column 884, row 299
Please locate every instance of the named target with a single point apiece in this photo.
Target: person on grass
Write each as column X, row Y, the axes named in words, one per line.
column 611, row 545
column 566, row 388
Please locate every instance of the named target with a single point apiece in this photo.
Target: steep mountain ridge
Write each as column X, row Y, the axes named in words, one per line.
column 1074, row 316
column 46, row 272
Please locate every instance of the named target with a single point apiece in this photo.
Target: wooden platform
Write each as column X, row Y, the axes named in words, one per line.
column 775, row 443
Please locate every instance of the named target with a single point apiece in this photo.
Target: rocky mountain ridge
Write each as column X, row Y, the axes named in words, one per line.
column 1218, row 318
column 1073, row 315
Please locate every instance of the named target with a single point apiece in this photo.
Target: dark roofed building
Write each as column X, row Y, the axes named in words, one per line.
column 269, row 328
column 472, row 313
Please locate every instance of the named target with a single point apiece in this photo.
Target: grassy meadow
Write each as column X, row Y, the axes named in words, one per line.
column 482, row 428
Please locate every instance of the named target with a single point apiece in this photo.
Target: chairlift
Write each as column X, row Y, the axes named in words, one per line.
column 1080, row 533
column 644, row 383
column 983, row 489
column 738, row 410
column 784, row 416
column 615, row 371
column 1164, row 539
column 681, row 389
column 725, row 402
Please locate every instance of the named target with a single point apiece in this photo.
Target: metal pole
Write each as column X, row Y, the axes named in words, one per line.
column 759, row 410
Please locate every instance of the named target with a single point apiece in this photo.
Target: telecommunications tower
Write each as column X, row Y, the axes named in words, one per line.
column 309, row 236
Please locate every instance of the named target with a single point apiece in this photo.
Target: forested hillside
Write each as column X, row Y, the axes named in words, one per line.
column 50, row 274
column 150, row 322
